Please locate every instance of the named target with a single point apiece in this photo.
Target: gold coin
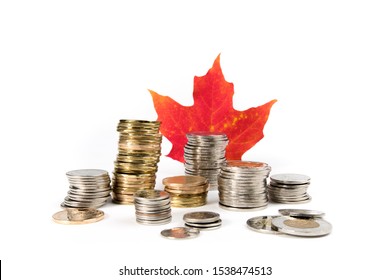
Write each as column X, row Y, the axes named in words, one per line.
column 77, row 216
column 180, row 191
column 184, row 180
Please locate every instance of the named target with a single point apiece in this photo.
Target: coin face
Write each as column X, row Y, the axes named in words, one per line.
column 87, row 173
column 180, row 233
column 301, row 227
column 290, row 178
column 262, row 224
column 78, row 216
column 201, row 217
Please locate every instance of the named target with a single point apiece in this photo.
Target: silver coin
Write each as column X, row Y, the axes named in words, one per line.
column 262, row 224
column 205, row 225
column 152, row 222
column 180, row 233
column 203, row 228
column 201, row 217
column 301, row 227
column 290, row 178
column 87, row 173
column 241, row 209
column 301, row 213
column 305, row 200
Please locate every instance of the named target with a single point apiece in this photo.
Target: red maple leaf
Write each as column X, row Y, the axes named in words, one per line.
column 212, row 111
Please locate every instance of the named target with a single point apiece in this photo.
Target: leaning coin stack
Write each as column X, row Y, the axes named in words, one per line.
column 242, row 185
column 204, row 154
column 136, row 163
column 289, row 188
column 187, row 190
column 152, row 207
column 89, row 188
column 203, row 220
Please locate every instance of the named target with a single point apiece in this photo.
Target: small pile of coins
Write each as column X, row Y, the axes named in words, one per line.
column 152, row 207
column 203, row 220
column 297, row 222
column 242, row 185
column 136, row 163
column 204, row 154
column 186, row 190
column 89, row 188
column 289, row 188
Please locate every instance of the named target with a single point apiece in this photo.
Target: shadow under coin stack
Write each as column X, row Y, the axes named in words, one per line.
column 289, row 188
column 136, row 163
column 89, row 188
column 242, row 185
column 187, row 191
column 152, row 207
column 204, row 154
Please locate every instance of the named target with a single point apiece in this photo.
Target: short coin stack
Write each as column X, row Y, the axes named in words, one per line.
column 136, row 163
column 203, row 220
column 89, row 188
column 289, row 188
column 187, row 190
column 204, row 154
column 152, row 207
column 242, row 185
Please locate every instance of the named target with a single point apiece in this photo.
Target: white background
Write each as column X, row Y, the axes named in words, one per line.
column 69, row 70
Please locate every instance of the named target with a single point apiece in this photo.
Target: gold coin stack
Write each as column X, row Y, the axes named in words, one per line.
column 138, row 155
column 187, row 190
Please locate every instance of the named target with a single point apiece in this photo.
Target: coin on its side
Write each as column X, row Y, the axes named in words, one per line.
column 262, row 224
column 78, row 216
column 180, row 233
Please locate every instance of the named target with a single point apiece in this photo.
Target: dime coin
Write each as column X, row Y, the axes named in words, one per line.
column 180, row 233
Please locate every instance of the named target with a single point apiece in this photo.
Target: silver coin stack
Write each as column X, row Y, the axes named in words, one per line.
column 152, row 207
column 242, row 185
column 289, row 188
column 204, row 154
column 89, row 188
column 203, row 220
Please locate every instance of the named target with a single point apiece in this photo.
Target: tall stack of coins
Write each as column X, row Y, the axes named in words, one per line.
column 152, row 207
column 242, row 185
column 187, row 191
column 289, row 188
column 136, row 163
column 89, row 188
column 204, row 154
